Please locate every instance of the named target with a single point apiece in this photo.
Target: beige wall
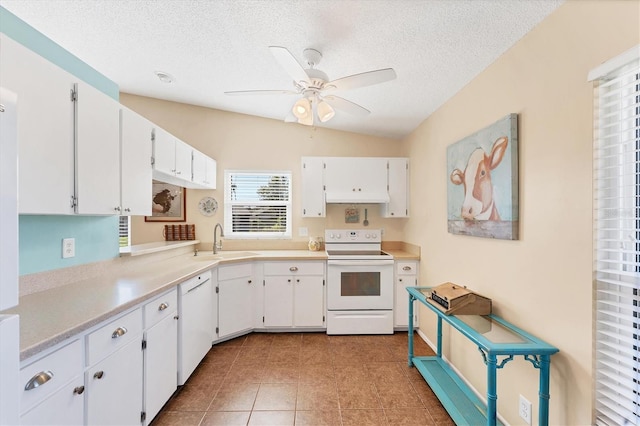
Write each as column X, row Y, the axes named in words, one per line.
column 543, row 281
column 239, row 141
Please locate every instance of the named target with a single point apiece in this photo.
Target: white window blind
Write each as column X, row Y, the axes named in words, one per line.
column 257, row 204
column 617, row 246
column 123, row 231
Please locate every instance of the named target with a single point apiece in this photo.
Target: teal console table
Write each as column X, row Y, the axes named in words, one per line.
column 495, row 338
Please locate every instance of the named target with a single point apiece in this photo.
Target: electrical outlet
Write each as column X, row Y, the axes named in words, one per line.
column 68, row 247
column 524, row 409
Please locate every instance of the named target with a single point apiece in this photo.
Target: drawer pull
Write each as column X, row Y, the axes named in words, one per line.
column 294, row 269
column 120, row 331
column 78, row 390
column 406, row 268
column 98, row 375
column 163, row 306
column 176, row 317
column 39, row 379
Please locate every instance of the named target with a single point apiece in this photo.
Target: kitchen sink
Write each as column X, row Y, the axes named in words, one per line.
column 208, row 256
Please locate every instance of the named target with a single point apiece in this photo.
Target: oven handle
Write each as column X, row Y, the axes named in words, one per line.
column 360, row 262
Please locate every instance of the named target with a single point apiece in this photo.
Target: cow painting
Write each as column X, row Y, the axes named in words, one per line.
column 482, row 182
column 476, row 178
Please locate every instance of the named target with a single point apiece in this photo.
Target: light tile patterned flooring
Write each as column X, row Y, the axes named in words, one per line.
column 307, row 379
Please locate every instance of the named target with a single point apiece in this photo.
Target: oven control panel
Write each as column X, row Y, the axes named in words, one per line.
column 353, row 235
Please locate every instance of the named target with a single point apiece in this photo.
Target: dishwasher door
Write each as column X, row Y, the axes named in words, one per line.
column 195, row 326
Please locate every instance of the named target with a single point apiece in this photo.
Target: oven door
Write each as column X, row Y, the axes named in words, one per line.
column 359, row 284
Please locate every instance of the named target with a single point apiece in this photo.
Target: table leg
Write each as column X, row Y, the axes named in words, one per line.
column 492, row 393
column 411, row 299
column 543, row 396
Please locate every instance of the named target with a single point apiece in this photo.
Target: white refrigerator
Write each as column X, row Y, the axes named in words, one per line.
column 9, row 324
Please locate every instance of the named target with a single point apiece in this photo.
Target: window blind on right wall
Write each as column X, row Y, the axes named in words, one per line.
column 617, row 242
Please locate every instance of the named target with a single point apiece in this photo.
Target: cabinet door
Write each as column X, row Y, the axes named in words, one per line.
column 97, row 152
column 398, row 181
column 114, row 388
column 135, row 160
column 65, row 407
column 308, row 305
column 211, row 173
column 183, row 160
column 313, row 204
column 196, row 333
column 45, row 129
column 164, row 152
column 199, row 168
column 234, row 306
column 160, row 364
column 355, row 175
column 278, row 301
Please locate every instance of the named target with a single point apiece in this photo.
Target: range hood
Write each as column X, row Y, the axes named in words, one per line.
column 355, row 197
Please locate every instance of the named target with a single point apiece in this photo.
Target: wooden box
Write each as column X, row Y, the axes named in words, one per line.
column 454, row 299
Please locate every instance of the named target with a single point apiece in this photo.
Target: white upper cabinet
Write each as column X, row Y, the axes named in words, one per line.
column 398, row 187
column 45, row 129
column 135, row 163
column 355, row 180
column 97, row 152
column 313, row 187
column 204, row 171
column 164, row 156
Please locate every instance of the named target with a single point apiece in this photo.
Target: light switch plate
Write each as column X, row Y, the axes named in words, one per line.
column 68, row 247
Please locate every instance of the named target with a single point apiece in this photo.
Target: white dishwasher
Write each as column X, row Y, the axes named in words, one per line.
column 195, row 326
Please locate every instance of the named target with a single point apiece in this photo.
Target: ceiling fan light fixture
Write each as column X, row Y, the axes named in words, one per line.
column 307, row 121
column 325, row 111
column 302, row 108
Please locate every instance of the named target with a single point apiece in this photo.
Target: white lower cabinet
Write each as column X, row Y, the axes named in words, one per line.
column 53, row 388
column 294, row 294
column 406, row 275
column 235, row 299
column 160, row 352
column 114, row 379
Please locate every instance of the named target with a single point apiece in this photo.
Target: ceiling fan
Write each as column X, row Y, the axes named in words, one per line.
column 316, row 88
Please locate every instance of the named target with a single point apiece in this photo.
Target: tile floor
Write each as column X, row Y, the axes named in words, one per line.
column 306, row 379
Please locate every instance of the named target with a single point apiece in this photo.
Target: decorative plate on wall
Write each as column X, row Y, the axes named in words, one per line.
column 208, row 206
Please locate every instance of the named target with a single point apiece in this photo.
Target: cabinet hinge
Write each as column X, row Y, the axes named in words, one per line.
column 263, row 319
column 387, row 165
column 324, row 187
column 217, row 289
column 304, row 211
column 144, row 345
column 153, row 160
column 304, row 166
column 324, row 165
column 323, row 318
column 74, row 202
column 217, row 330
column 74, row 95
column 263, row 283
column 323, row 283
column 143, row 416
column 406, row 212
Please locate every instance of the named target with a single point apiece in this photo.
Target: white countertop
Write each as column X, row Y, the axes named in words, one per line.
column 52, row 316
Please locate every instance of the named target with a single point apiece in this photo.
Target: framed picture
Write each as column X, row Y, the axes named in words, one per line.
column 168, row 203
column 482, row 182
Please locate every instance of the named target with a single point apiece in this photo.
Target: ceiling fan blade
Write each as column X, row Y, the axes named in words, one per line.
column 363, row 79
column 346, row 106
column 289, row 63
column 262, row 92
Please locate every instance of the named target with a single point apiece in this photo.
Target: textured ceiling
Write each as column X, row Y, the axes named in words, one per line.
column 211, row 46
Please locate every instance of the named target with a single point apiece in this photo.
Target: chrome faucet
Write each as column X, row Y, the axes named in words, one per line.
column 217, row 245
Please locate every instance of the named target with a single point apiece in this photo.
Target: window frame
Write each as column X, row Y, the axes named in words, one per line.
column 229, row 204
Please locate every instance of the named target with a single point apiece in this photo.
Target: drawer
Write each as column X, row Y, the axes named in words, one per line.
column 230, row 272
column 160, row 307
column 297, row 268
column 406, row 268
column 114, row 335
column 49, row 374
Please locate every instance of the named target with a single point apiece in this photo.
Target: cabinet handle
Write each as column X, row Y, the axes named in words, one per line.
column 120, row 331
column 289, row 280
column 298, row 280
column 127, row 210
column 163, row 306
column 176, row 317
column 39, row 379
column 392, row 213
column 178, row 173
column 400, row 279
column 249, row 281
column 294, row 269
column 98, row 375
column 117, row 209
column 78, row 390
column 405, row 268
